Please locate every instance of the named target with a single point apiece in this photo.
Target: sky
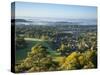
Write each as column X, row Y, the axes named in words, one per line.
column 28, row 9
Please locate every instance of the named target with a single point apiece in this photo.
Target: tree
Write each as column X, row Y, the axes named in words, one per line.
column 20, row 42
column 62, row 49
column 77, row 60
column 71, row 62
column 37, row 60
column 44, row 37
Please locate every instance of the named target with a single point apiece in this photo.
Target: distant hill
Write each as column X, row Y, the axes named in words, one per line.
column 19, row 20
column 53, row 22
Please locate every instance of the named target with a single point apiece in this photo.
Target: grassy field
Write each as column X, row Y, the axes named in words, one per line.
column 22, row 53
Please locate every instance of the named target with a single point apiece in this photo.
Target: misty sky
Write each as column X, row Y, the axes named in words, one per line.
column 24, row 9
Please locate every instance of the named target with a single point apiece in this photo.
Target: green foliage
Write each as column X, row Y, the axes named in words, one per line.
column 77, row 60
column 20, row 42
column 56, row 50
column 71, row 62
column 62, row 48
column 37, row 60
column 44, row 37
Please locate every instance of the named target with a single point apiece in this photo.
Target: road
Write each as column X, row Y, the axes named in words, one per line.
column 34, row 39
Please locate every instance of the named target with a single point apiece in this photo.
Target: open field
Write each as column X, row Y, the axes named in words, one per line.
column 22, row 53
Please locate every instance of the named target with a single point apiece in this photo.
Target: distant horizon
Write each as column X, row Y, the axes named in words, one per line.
column 23, row 17
column 49, row 20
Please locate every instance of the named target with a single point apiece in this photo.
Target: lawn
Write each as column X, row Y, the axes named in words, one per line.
column 22, row 53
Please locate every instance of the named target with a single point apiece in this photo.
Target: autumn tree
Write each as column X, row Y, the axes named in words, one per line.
column 37, row 60
column 77, row 60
